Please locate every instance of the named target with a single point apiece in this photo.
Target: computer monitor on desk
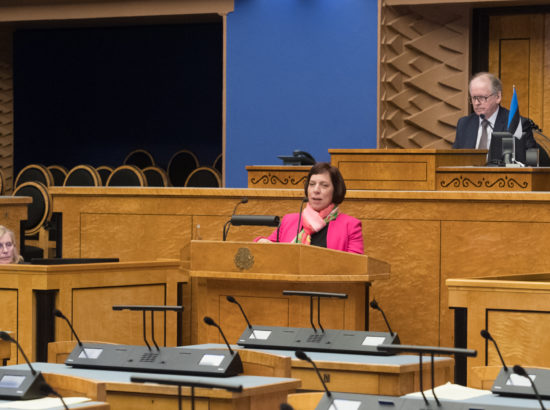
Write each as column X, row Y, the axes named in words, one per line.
column 505, row 149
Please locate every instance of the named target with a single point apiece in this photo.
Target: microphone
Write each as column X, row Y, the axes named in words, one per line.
column 532, row 125
column 59, row 314
column 521, row 371
column 374, row 305
column 231, row 299
column 244, row 200
column 300, row 354
column 210, row 322
column 487, row 336
column 5, row 336
column 300, row 218
column 47, row 389
column 482, row 116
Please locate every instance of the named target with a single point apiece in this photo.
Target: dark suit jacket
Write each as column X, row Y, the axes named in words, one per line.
column 467, row 127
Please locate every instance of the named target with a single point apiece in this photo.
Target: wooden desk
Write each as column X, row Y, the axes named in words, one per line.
column 492, row 179
column 514, row 309
column 256, row 275
column 399, row 169
column 85, row 294
column 13, row 210
column 258, row 392
column 277, row 176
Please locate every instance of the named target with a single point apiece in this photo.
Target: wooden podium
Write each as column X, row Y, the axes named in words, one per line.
column 256, row 275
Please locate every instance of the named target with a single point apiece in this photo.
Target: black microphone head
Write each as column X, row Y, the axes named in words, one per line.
column 58, row 313
column 231, row 299
column 300, row 354
column 306, row 199
column 374, row 304
column 485, row 334
column 244, row 200
column 209, row 321
column 482, row 116
column 520, row 370
column 5, row 336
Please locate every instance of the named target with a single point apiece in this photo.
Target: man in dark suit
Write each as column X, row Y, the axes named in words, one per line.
column 485, row 96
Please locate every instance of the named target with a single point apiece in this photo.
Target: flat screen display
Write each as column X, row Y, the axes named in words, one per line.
column 89, row 353
column 211, row 360
column 9, row 381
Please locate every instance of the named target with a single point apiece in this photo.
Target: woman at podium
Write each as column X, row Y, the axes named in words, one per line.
column 321, row 223
column 8, row 249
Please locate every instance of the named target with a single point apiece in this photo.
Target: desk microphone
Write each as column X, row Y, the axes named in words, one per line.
column 482, row 116
column 6, row 337
column 521, row 371
column 60, row 314
column 300, row 354
column 47, row 389
column 487, row 336
column 374, row 305
column 231, row 299
column 300, row 218
column 210, row 322
column 244, row 200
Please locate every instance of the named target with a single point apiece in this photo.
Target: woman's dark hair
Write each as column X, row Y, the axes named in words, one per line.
column 335, row 176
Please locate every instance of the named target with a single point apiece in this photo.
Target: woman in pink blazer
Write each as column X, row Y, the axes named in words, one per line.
column 322, row 224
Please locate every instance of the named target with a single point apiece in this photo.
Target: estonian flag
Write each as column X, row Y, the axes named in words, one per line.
column 514, row 121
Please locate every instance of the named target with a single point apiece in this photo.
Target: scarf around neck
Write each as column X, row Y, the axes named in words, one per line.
column 313, row 221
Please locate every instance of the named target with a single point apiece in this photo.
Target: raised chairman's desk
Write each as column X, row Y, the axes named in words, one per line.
column 258, row 392
column 85, row 293
column 514, row 309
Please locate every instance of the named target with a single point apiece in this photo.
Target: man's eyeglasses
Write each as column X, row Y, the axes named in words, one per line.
column 480, row 98
column 7, row 245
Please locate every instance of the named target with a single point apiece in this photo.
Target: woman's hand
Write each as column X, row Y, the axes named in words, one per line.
column 263, row 240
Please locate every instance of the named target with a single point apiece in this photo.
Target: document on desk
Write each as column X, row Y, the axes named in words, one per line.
column 451, row 391
column 44, row 403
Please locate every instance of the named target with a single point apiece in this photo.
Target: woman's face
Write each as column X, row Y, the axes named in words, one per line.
column 320, row 191
column 6, row 249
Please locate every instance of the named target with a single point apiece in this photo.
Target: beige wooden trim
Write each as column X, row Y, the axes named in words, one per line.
column 224, row 97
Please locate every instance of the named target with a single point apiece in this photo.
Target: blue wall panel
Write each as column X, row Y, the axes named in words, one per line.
column 301, row 74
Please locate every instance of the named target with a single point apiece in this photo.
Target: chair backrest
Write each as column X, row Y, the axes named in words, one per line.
column 204, row 177
column 218, row 164
column 140, row 158
column 104, row 172
column 82, row 175
column 180, row 166
column 72, row 386
column 59, row 173
column 156, row 176
column 304, row 401
column 265, row 364
column 127, row 175
column 34, row 173
column 40, row 210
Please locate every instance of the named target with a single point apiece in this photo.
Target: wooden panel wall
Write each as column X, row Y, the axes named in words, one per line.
column 424, row 71
column 6, row 109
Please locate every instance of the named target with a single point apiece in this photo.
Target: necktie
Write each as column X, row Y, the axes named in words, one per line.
column 484, row 137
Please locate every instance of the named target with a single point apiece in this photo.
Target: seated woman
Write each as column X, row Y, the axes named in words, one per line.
column 322, row 224
column 8, row 248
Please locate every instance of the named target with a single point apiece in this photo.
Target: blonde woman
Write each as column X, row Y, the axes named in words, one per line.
column 8, row 247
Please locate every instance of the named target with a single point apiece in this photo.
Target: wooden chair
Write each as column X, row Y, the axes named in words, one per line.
column 483, row 377
column 5, row 352
column 72, row 386
column 180, row 166
column 59, row 351
column 34, row 173
column 59, row 173
column 265, row 364
column 127, row 175
column 204, row 177
column 104, row 172
column 218, row 164
column 304, row 401
column 156, row 176
column 82, row 175
column 140, row 158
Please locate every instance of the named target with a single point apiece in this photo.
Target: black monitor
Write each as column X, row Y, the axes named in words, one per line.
column 504, row 149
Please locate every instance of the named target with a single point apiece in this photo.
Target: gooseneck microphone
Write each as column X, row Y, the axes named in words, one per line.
column 231, row 299
column 210, row 322
column 59, row 314
column 487, row 336
column 47, row 389
column 5, row 336
column 482, row 116
column 300, row 218
column 244, row 200
column 521, row 371
column 374, row 305
column 300, row 354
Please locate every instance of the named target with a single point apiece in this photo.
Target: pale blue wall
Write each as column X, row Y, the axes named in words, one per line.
column 301, row 74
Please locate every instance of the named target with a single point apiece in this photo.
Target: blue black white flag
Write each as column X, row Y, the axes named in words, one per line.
column 514, row 121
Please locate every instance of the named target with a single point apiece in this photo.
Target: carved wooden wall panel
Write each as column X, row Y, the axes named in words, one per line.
column 6, row 110
column 424, row 72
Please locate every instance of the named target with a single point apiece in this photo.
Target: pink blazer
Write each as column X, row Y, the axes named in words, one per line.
column 344, row 233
